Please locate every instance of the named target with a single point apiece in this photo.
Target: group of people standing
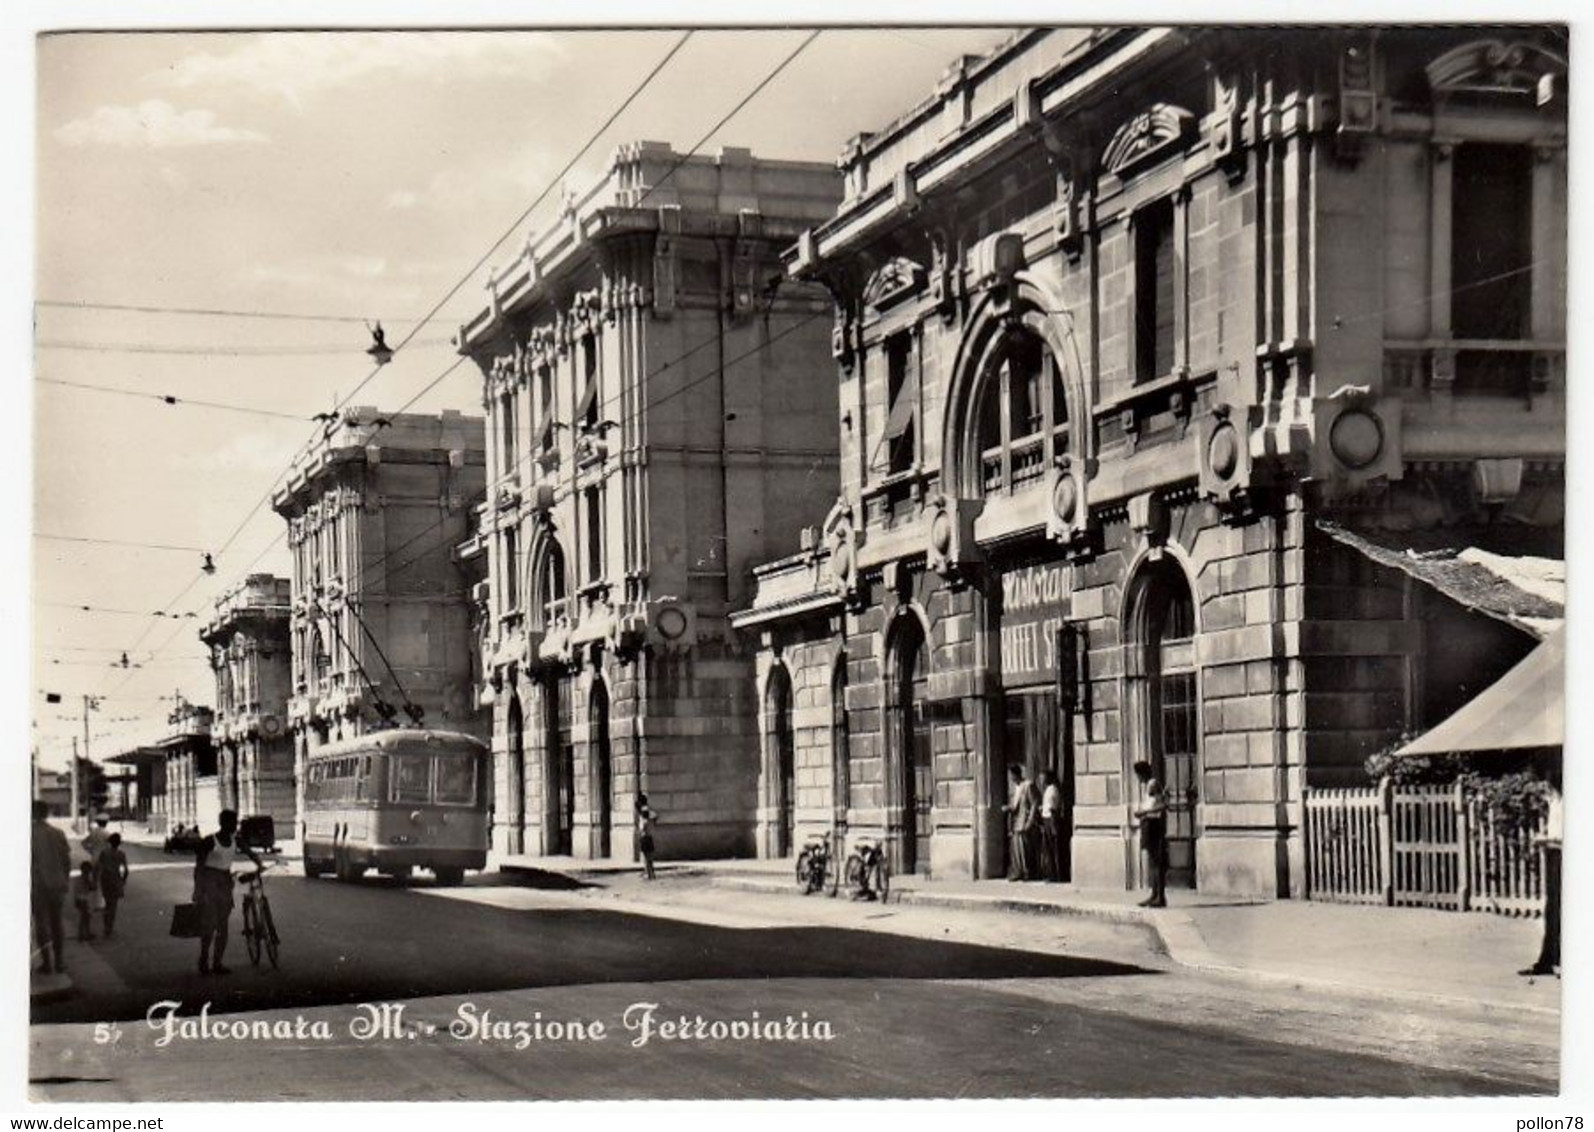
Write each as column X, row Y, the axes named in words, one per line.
column 96, row 884
column 1035, row 827
column 1036, row 832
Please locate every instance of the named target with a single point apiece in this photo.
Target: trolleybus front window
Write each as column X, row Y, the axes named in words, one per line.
column 412, row 775
column 456, row 781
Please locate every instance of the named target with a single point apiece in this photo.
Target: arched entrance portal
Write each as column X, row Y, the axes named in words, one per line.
column 1164, row 711
column 783, row 762
column 602, row 767
column 515, row 786
column 912, row 763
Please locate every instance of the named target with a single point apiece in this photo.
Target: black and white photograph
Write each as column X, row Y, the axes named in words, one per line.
column 896, row 561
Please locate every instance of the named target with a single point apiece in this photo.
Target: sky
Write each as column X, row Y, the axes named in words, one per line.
column 351, row 176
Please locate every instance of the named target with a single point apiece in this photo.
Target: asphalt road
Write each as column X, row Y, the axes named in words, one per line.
column 900, row 1028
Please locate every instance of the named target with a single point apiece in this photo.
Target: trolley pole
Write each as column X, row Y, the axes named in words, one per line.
column 74, row 785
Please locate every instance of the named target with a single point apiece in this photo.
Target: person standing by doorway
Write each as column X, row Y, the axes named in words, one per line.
column 1051, row 825
column 646, row 816
column 52, row 873
column 1151, row 814
column 1023, row 816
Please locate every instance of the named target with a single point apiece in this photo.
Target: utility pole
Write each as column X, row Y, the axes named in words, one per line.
column 74, row 785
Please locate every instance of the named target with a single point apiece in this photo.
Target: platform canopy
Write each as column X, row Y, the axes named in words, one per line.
column 1523, row 709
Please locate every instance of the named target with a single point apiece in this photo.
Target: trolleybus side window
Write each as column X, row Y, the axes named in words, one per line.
column 412, row 778
column 456, row 781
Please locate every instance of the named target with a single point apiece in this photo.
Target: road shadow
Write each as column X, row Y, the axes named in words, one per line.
column 373, row 942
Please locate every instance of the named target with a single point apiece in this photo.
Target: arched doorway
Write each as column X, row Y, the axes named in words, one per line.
column 559, row 767
column 912, row 767
column 602, row 767
column 515, row 785
column 1164, row 712
column 783, row 761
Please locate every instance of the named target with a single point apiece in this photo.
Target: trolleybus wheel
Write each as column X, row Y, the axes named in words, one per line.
column 314, row 868
column 449, row 875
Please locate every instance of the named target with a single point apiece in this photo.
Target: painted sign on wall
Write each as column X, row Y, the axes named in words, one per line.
column 1035, row 603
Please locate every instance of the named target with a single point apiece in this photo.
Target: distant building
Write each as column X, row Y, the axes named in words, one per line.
column 146, row 793
column 380, row 606
column 193, row 789
column 248, row 638
column 1202, row 402
column 55, row 791
column 660, row 416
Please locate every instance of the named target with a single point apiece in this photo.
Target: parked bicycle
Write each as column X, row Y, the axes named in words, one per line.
column 260, row 932
column 868, row 872
column 816, row 867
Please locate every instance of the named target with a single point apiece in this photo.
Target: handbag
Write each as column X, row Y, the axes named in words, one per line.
column 185, row 921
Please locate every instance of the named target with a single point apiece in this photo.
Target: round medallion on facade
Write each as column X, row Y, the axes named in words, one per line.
column 1223, row 450
column 1356, row 438
column 671, row 623
column 941, row 533
column 1065, row 498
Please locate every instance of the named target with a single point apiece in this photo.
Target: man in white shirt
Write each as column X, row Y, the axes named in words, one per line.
column 1151, row 814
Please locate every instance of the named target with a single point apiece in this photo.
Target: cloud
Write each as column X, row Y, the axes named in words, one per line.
column 298, row 65
column 152, row 125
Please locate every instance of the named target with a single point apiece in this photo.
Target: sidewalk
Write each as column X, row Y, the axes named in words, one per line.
column 1400, row 952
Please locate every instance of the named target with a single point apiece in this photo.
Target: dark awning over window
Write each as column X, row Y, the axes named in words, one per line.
column 1495, row 572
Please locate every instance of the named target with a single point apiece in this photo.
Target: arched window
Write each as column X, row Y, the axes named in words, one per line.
column 1020, row 404
column 548, row 594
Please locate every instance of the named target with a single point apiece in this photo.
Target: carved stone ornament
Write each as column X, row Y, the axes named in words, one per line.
column 900, row 278
column 1149, row 134
column 1494, row 67
column 841, row 539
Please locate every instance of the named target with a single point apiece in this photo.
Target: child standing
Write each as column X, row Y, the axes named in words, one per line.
column 646, row 817
column 86, row 898
column 113, row 879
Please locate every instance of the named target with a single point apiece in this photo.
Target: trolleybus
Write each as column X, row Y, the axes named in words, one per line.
column 396, row 801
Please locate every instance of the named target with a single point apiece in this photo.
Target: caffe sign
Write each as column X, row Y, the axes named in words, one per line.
column 1034, row 607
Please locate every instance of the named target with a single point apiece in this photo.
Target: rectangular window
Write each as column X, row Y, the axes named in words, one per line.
column 902, row 399
column 456, row 781
column 589, row 410
column 1154, row 291
column 545, row 406
column 1491, row 241
column 594, row 517
column 509, row 457
column 412, row 776
column 511, row 572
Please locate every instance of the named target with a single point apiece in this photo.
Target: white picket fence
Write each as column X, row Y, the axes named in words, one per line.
column 1430, row 846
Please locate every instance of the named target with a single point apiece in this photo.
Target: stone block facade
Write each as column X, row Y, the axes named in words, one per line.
column 1167, row 400
column 660, row 418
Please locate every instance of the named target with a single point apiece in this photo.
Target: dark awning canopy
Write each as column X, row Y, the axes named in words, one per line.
column 1523, row 709
column 1495, row 572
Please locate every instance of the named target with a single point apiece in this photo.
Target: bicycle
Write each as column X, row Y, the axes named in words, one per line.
column 260, row 932
column 868, row 872
column 816, row 867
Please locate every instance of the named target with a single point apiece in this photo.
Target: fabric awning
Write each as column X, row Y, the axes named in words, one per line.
column 1503, row 573
column 1524, row 708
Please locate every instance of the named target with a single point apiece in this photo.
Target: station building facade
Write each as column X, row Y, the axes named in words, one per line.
column 1175, row 367
column 380, row 605
column 660, row 416
column 248, row 638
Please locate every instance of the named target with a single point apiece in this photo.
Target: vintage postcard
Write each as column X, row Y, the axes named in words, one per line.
column 854, row 562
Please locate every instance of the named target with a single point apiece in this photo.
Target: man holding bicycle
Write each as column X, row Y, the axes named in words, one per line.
column 213, row 883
